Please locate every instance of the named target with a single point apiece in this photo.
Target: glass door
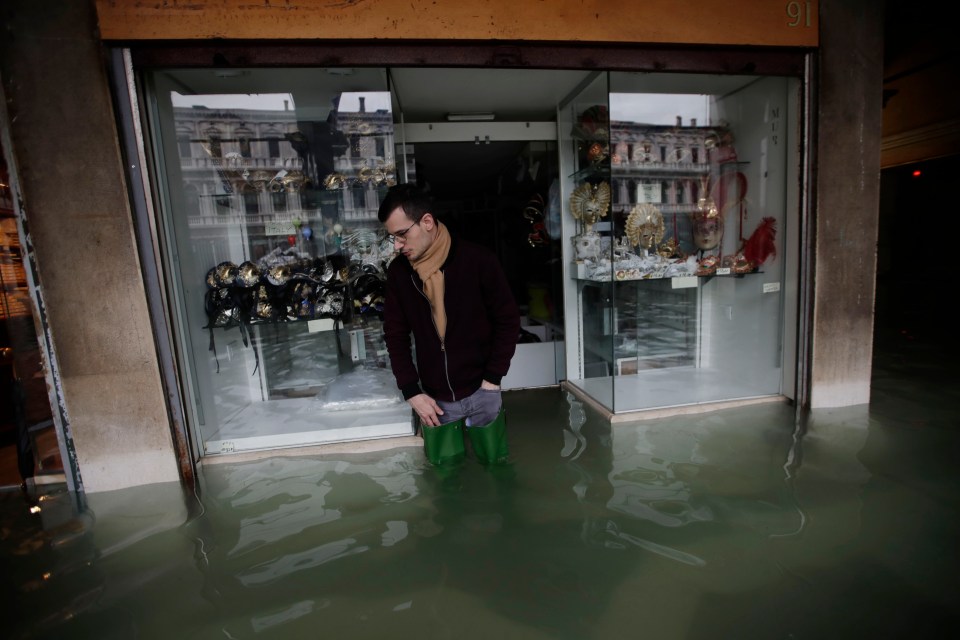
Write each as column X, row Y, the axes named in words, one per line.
column 486, row 147
column 584, row 131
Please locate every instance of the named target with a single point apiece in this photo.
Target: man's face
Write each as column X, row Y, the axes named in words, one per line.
column 411, row 239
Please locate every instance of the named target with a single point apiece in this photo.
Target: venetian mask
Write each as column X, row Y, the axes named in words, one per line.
column 587, row 246
column 645, row 226
column 590, row 202
column 293, row 181
column 279, row 275
column 248, row 274
column 707, row 220
column 225, row 274
column 707, row 233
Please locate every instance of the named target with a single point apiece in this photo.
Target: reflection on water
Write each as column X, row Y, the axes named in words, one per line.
column 730, row 524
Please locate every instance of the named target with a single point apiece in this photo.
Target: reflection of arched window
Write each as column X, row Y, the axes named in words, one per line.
column 680, row 199
column 664, row 186
column 694, row 155
column 694, row 190
column 632, row 191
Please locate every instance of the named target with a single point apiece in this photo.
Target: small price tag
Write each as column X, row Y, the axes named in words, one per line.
column 322, row 324
column 684, row 282
column 771, row 287
column 723, row 271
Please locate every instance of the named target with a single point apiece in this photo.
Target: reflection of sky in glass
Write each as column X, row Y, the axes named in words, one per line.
column 349, row 101
column 375, row 101
column 262, row 101
column 659, row 108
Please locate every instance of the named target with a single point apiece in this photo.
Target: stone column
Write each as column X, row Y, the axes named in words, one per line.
column 74, row 199
column 847, row 201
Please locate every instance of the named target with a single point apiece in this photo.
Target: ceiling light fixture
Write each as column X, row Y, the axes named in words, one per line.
column 469, row 117
column 231, row 73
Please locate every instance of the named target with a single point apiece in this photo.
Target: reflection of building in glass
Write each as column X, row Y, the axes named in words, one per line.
column 256, row 166
column 229, row 159
column 665, row 166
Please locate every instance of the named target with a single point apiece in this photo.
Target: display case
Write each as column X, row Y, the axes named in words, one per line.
column 277, row 260
column 677, row 203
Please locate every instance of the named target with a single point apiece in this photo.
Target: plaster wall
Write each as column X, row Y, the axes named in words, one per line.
column 75, row 202
column 847, row 201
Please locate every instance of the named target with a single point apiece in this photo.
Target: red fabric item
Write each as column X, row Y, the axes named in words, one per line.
column 762, row 242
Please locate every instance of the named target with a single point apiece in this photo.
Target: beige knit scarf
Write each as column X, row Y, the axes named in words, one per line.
column 428, row 268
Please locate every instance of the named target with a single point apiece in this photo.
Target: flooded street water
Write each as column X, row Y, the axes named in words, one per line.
column 732, row 524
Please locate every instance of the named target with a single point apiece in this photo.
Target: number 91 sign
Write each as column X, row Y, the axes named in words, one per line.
column 798, row 14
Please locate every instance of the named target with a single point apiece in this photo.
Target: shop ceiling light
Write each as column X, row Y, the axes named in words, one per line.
column 469, row 117
column 231, row 73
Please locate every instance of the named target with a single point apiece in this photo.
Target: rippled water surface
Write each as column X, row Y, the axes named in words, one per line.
column 734, row 524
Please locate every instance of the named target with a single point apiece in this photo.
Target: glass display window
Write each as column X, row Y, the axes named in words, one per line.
column 678, row 259
column 269, row 186
column 641, row 219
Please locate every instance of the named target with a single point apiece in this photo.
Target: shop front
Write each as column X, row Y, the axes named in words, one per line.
column 652, row 181
column 648, row 223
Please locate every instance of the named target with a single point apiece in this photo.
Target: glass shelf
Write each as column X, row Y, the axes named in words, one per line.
column 597, row 172
column 584, row 273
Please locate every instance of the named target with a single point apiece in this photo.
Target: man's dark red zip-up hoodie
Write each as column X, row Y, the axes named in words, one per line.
column 483, row 324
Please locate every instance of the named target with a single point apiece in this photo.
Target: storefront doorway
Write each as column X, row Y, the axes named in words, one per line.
column 496, row 194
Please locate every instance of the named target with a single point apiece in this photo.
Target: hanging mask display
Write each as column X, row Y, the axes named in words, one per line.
column 248, row 274
column 589, row 203
column 707, row 220
column 225, row 273
column 645, row 227
column 287, row 287
column 279, row 275
column 212, row 278
column 330, row 303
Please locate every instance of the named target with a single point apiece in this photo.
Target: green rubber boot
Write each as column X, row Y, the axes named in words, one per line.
column 444, row 444
column 490, row 440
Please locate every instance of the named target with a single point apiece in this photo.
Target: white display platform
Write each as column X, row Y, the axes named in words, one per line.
column 296, row 422
column 676, row 387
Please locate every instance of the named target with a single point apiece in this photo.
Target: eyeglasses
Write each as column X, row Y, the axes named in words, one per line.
column 400, row 235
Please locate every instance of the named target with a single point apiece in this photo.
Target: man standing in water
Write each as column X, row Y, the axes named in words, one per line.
column 453, row 296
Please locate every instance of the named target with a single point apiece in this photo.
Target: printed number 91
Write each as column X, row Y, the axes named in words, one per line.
column 798, row 12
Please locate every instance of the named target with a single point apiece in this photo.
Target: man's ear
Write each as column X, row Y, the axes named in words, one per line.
column 428, row 222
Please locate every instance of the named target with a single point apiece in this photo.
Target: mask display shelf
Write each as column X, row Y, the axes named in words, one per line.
column 276, row 258
column 675, row 247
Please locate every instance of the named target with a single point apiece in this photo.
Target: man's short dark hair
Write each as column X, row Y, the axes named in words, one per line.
column 414, row 201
